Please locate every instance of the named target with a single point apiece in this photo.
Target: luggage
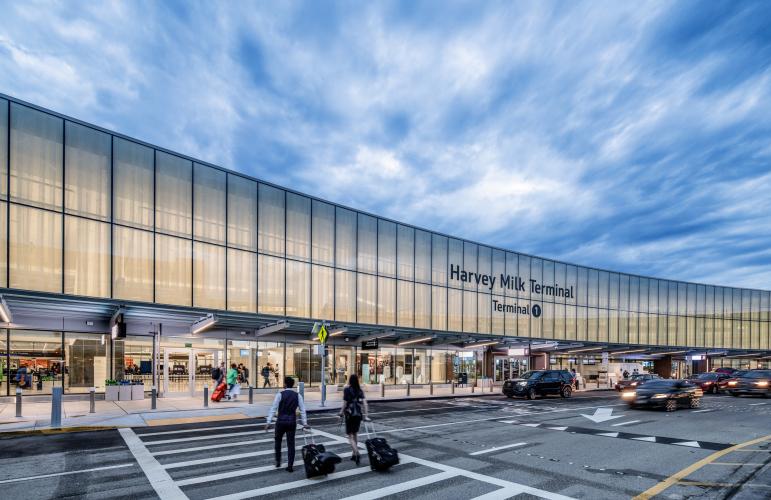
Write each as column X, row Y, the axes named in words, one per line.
column 381, row 456
column 318, row 461
column 219, row 392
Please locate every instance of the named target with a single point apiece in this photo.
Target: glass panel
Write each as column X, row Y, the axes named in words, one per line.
column 298, row 289
column 366, row 299
column 36, row 157
column 133, row 183
column 613, row 290
column 561, row 290
column 323, row 235
column 548, row 280
column 270, row 355
column 634, row 293
column 498, row 316
column 547, row 318
column 455, row 259
column 208, row 275
column 210, row 204
column 469, row 264
column 439, row 260
column 603, row 289
column 173, row 198
column 469, row 311
column 581, row 322
column 298, row 226
column 386, row 301
column 173, row 270
column 270, row 285
column 132, row 264
column 406, row 252
column 422, row 306
column 35, row 249
column 582, row 286
column 87, row 179
column 242, row 281
column 345, row 296
column 298, row 364
column 272, row 220
column 242, row 213
column 438, row 308
column 85, row 357
column 367, row 243
column 422, row 256
column 36, row 361
column 536, row 277
column 523, row 273
column 484, row 309
column 454, row 310
column 405, row 295
column 594, row 287
column 322, row 295
column 345, row 238
column 516, row 323
column 386, row 248
column 3, row 155
column 86, row 257
column 3, row 255
column 499, row 270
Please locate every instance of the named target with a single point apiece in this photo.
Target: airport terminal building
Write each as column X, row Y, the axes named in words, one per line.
column 121, row 260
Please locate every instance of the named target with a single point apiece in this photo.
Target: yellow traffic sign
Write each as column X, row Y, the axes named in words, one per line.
column 322, row 336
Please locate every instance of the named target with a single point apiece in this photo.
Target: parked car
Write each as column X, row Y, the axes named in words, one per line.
column 752, row 382
column 540, row 383
column 709, row 382
column 664, row 393
column 635, row 380
column 726, row 370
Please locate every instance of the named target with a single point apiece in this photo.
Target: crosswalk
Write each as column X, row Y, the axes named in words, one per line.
column 232, row 462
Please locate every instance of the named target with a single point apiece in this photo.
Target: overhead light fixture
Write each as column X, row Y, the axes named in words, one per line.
column 666, row 353
column 483, row 344
column 336, row 332
column 416, row 340
column 203, row 324
column 5, row 311
column 585, row 350
column 627, row 352
column 272, row 328
column 374, row 336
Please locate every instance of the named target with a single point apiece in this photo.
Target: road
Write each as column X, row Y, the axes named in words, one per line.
column 589, row 446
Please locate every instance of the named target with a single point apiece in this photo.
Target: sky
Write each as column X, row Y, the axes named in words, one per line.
column 630, row 136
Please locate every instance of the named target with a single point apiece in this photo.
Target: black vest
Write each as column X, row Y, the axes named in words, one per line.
column 287, row 407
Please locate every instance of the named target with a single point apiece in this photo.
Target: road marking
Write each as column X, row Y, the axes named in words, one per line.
column 210, row 447
column 601, row 414
column 609, row 434
column 201, row 429
column 692, row 444
column 237, row 456
column 531, row 425
column 757, row 404
column 735, row 464
column 557, row 428
column 398, row 488
column 702, row 411
column 679, row 476
column 649, row 439
column 625, row 423
column 490, row 450
column 157, row 476
column 199, row 438
column 723, row 485
column 155, row 422
column 67, row 473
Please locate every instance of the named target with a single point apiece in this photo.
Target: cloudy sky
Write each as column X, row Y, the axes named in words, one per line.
column 625, row 135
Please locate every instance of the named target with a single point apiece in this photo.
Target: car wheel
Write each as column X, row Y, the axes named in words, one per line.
column 734, row 394
column 566, row 392
column 531, row 393
column 695, row 402
column 671, row 405
column 714, row 389
column 510, row 396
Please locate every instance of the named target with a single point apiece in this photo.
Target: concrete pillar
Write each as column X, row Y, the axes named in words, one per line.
column 663, row 367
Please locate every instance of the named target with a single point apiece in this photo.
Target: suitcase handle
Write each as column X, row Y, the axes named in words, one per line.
column 366, row 427
column 305, row 439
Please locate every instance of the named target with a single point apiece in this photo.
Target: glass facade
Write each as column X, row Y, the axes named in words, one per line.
column 88, row 213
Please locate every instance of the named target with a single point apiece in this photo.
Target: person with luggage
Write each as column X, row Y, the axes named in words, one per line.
column 285, row 406
column 232, row 378
column 354, row 409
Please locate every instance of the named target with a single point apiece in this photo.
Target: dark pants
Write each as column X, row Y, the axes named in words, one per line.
column 288, row 429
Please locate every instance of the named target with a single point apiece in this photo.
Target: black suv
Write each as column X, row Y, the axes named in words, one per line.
column 540, row 383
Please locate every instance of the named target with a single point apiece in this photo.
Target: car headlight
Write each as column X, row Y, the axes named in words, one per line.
column 732, row 383
column 659, row 396
column 521, row 384
column 633, row 384
column 762, row 383
column 628, row 394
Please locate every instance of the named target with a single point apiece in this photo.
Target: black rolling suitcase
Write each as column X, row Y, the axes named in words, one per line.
column 381, row 456
column 318, row 461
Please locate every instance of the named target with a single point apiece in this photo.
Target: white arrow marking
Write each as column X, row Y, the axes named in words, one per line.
column 692, row 444
column 531, row 425
column 601, row 415
column 609, row 434
column 650, row 439
column 557, row 428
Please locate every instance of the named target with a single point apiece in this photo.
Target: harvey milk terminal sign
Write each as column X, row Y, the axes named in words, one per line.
column 508, row 282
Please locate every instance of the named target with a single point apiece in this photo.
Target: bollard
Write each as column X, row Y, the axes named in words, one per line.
column 430, row 388
column 56, row 408
column 472, row 388
column 408, row 388
column 382, row 389
column 91, row 396
column 251, row 395
column 154, row 398
column 491, row 386
column 453, row 386
column 206, row 396
column 18, row 402
column 301, row 389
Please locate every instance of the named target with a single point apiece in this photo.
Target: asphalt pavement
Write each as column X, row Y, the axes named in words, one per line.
column 588, row 446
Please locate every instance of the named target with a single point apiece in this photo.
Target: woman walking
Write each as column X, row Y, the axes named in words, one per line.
column 354, row 409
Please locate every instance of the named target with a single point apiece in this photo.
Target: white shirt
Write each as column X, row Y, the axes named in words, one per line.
column 300, row 405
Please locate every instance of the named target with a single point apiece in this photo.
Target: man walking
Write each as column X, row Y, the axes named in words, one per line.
column 285, row 406
column 266, row 376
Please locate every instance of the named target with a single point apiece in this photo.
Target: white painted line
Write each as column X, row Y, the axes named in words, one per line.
column 237, row 473
column 490, row 450
column 200, row 438
column 499, row 494
column 557, row 428
column 608, row 434
column 531, row 425
column 200, row 429
column 649, row 439
column 625, row 423
column 507, row 421
column 398, row 488
column 157, row 476
column 277, row 488
column 692, row 444
column 237, row 456
column 66, row 473
column 210, row 447
column 701, row 411
column 757, row 404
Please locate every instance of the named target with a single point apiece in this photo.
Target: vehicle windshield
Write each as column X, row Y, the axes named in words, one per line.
column 638, row 376
column 532, row 375
column 757, row 374
column 707, row 376
column 659, row 383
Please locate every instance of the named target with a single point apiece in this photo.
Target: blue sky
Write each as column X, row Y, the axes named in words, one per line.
column 633, row 136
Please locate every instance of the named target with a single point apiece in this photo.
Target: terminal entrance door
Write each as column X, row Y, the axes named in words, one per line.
column 186, row 371
column 509, row 367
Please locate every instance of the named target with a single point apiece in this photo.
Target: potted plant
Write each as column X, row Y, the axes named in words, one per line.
column 138, row 390
column 124, row 389
column 111, row 390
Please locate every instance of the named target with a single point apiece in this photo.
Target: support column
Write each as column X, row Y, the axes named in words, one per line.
column 663, row 367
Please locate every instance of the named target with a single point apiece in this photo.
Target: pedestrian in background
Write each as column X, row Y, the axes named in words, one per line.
column 232, row 377
column 285, row 406
column 354, row 409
